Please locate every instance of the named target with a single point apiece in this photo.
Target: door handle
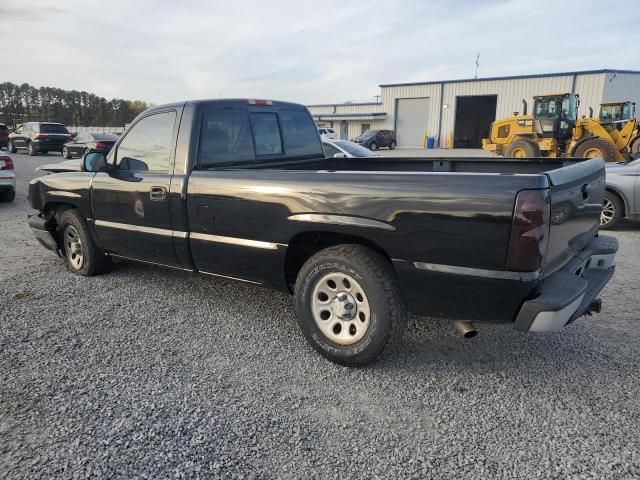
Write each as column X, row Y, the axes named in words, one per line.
column 158, row 194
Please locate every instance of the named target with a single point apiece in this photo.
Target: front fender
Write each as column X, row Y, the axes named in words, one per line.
column 71, row 188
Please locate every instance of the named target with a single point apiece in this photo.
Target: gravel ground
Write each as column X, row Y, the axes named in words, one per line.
column 149, row 373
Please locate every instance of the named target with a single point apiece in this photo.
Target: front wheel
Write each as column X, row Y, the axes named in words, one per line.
column 81, row 254
column 66, row 153
column 11, row 147
column 373, row 147
column 392, row 145
column 31, row 149
column 349, row 305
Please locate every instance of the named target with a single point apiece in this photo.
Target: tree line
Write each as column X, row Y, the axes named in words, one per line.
column 26, row 103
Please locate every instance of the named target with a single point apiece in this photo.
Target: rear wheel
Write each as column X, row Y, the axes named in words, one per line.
column 522, row 149
column 612, row 210
column 81, row 254
column 31, row 149
column 348, row 304
column 596, row 147
column 11, row 147
column 373, row 146
column 392, row 145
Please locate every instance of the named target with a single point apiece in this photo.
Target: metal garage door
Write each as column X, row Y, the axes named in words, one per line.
column 411, row 121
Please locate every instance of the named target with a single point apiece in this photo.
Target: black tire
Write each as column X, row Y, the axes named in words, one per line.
column 612, row 210
column 66, row 153
column 595, row 147
column 635, row 148
column 522, row 148
column 11, row 147
column 374, row 275
column 32, row 150
column 94, row 261
column 392, row 145
column 373, row 147
column 8, row 196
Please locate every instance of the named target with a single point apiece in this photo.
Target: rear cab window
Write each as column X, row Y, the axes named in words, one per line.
column 231, row 135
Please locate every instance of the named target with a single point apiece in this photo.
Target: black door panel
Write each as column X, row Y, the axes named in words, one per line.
column 130, row 202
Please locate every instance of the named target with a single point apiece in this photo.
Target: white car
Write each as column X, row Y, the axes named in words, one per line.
column 327, row 133
column 345, row 149
column 7, row 178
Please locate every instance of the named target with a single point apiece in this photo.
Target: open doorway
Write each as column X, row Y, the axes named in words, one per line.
column 474, row 115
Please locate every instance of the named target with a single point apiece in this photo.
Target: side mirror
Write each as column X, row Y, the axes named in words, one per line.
column 94, row 162
column 340, row 155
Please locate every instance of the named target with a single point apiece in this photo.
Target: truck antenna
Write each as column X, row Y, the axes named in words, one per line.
column 477, row 64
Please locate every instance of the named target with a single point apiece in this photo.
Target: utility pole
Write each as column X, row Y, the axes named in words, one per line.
column 477, row 64
column 377, row 97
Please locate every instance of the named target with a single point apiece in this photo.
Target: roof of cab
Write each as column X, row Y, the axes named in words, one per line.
column 237, row 102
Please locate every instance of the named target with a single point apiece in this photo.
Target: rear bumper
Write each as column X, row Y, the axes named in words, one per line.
column 568, row 293
column 42, row 234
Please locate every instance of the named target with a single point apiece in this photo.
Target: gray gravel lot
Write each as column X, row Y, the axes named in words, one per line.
column 150, row 373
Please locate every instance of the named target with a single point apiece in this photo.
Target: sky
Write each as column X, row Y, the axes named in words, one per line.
column 321, row 51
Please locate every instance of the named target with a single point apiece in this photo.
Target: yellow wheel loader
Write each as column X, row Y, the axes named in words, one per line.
column 554, row 130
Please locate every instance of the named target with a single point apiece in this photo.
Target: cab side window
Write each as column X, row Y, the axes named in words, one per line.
column 147, row 146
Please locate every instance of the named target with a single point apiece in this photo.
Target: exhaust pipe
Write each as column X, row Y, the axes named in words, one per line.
column 466, row 329
column 524, row 106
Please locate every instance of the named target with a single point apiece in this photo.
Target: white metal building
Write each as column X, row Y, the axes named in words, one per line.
column 458, row 113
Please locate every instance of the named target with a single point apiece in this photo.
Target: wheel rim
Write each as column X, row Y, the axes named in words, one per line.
column 73, row 247
column 608, row 212
column 519, row 153
column 65, row 152
column 593, row 152
column 30, row 149
column 340, row 308
column 373, row 146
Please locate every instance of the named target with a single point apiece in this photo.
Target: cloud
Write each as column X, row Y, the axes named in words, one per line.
column 305, row 51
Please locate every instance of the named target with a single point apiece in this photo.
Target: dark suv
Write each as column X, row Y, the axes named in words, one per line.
column 4, row 135
column 374, row 139
column 39, row 137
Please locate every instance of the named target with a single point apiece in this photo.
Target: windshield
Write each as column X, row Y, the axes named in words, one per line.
column 570, row 107
column 104, row 137
column 615, row 113
column 52, row 128
column 369, row 133
column 353, row 148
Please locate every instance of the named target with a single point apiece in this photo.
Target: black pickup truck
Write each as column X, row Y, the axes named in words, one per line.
column 241, row 189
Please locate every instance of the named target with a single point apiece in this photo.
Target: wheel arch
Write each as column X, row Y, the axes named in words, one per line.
column 306, row 244
column 625, row 202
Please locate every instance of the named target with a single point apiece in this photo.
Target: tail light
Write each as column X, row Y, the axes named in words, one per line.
column 529, row 231
column 68, row 137
column 8, row 162
column 101, row 145
column 41, row 136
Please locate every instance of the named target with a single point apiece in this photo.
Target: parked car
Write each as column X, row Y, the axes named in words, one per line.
column 327, row 133
column 4, row 135
column 622, row 196
column 39, row 137
column 345, row 149
column 86, row 142
column 7, row 178
column 241, row 189
column 374, row 139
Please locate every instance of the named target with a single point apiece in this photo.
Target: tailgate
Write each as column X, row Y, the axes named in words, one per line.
column 577, row 191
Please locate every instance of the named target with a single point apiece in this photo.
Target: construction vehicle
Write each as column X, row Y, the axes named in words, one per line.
column 554, row 130
column 614, row 117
